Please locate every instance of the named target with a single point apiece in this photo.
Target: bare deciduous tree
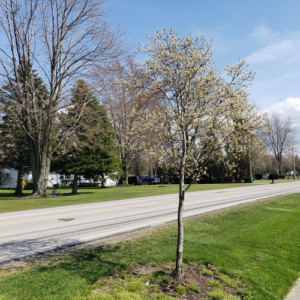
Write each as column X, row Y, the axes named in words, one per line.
column 58, row 40
column 125, row 107
column 279, row 138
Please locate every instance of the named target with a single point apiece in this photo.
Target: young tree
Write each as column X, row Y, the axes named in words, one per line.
column 91, row 150
column 62, row 40
column 195, row 110
column 280, row 137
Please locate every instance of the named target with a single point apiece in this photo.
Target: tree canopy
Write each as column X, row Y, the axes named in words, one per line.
column 91, row 150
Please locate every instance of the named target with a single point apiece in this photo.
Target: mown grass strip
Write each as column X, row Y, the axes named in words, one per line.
column 259, row 244
column 9, row 203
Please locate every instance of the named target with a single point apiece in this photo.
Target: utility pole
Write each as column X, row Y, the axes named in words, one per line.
column 294, row 171
column 250, row 164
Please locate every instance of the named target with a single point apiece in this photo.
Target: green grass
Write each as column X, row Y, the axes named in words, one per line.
column 257, row 244
column 9, row 203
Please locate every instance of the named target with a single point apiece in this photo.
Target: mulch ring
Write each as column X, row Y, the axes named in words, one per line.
column 198, row 282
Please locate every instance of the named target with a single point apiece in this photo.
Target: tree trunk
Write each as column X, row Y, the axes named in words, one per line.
column 150, row 169
column 280, row 167
column 125, row 169
column 102, row 181
column 40, row 165
column 40, row 175
column 19, row 187
column 75, row 184
column 178, row 274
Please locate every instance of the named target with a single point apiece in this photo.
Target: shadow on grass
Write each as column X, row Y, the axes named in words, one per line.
column 12, row 196
column 30, row 196
column 90, row 265
column 80, row 193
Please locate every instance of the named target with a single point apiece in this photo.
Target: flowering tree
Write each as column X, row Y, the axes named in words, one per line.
column 197, row 110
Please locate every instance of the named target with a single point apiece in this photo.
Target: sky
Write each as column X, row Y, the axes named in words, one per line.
column 265, row 33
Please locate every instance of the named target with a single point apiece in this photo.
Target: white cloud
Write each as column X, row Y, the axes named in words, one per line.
column 289, row 107
column 283, row 51
column 276, row 61
column 262, row 34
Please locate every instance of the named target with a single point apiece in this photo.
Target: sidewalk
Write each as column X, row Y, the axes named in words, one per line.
column 294, row 294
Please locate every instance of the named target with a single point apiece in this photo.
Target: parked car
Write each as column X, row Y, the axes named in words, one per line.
column 135, row 180
column 266, row 175
column 149, row 180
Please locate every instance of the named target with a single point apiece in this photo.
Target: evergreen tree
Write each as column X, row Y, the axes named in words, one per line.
column 14, row 139
column 91, row 151
column 14, row 150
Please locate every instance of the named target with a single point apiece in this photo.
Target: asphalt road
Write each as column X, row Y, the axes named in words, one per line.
column 36, row 231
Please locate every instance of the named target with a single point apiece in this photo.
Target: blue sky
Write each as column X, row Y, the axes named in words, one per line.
column 265, row 33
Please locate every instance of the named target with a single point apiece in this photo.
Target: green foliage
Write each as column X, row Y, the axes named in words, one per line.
column 92, row 152
column 274, row 176
column 14, row 148
column 17, row 133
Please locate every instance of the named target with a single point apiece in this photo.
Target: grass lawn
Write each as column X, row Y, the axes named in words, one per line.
column 9, row 203
column 251, row 250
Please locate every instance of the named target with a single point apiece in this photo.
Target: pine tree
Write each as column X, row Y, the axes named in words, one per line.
column 14, row 150
column 91, row 151
column 14, row 140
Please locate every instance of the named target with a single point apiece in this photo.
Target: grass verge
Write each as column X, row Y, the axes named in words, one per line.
column 9, row 203
column 250, row 252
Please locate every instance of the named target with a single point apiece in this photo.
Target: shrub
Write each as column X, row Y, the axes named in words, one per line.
column 258, row 176
column 23, row 184
column 273, row 176
column 28, row 185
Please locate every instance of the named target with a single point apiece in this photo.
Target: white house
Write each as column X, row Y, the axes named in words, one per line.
column 8, row 179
